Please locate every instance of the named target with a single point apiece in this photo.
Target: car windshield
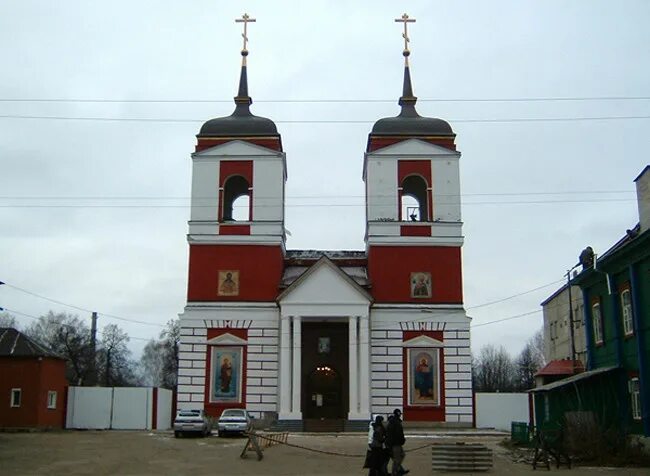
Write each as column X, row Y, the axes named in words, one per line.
column 235, row 413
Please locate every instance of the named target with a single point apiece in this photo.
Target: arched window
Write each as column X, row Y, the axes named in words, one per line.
column 414, row 199
column 236, row 194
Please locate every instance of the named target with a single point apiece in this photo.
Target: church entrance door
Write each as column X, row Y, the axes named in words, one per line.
column 325, row 370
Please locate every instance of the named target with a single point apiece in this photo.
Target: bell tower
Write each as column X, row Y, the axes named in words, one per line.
column 413, row 219
column 236, row 231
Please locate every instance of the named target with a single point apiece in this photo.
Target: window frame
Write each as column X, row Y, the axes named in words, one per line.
column 12, row 399
column 627, row 313
column 635, row 398
column 597, row 329
column 51, row 402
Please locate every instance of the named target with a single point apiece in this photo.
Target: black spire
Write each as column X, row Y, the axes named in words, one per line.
column 408, row 100
column 243, row 100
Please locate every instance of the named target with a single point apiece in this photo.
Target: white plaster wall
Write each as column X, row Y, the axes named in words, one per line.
column 164, row 415
column 205, row 188
column 261, row 384
column 381, row 180
column 89, row 408
column 387, row 325
column 499, row 410
column 445, row 176
column 268, row 189
column 132, row 408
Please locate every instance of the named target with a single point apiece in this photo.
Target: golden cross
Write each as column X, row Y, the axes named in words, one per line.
column 406, row 20
column 245, row 19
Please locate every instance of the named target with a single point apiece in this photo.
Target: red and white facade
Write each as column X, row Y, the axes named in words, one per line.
column 310, row 334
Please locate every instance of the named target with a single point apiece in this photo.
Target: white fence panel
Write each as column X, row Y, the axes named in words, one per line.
column 164, row 409
column 499, row 410
column 89, row 408
column 131, row 408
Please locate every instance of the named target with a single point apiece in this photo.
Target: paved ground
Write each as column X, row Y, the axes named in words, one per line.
column 141, row 453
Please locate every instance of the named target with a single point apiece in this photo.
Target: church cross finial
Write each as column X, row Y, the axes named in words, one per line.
column 245, row 19
column 406, row 20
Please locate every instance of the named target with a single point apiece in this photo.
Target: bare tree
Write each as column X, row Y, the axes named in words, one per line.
column 68, row 336
column 159, row 362
column 117, row 368
column 7, row 320
column 529, row 361
column 494, row 370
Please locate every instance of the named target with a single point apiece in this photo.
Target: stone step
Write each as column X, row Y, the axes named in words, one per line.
column 461, row 457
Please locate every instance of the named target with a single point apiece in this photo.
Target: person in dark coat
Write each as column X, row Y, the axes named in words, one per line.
column 395, row 441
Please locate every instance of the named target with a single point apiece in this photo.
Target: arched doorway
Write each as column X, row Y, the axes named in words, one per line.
column 324, row 388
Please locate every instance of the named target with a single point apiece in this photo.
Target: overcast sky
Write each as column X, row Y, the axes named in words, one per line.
column 123, row 251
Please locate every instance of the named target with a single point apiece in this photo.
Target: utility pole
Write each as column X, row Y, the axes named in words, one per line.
column 92, row 371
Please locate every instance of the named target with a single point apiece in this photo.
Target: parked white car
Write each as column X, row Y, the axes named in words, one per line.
column 192, row 421
column 233, row 420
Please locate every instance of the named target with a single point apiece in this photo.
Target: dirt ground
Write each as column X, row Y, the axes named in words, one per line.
column 142, row 453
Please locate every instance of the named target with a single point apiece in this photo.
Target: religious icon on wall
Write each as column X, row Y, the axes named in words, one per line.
column 323, row 345
column 228, row 283
column 423, row 375
column 226, row 370
column 420, row 285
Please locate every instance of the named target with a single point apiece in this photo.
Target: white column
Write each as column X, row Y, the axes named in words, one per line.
column 285, row 368
column 297, row 370
column 364, row 366
column 353, row 346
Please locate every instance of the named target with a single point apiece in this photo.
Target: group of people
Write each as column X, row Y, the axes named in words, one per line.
column 385, row 442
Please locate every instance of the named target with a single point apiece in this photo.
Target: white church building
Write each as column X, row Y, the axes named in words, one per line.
column 323, row 339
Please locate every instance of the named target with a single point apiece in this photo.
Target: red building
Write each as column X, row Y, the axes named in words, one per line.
column 32, row 383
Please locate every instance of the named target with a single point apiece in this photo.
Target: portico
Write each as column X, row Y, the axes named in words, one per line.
column 326, row 299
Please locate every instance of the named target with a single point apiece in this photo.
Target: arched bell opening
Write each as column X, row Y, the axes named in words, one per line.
column 414, row 203
column 236, row 199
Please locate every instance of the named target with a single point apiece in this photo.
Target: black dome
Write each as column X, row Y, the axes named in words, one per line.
column 416, row 125
column 239, row 123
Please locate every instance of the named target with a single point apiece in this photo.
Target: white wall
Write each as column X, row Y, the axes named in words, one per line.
column 499, row 410
column 101, row 408
column 89, row 408
column 164, row 420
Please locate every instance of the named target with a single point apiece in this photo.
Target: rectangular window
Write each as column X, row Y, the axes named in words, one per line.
column 626, row 312
column 15, row 397
column 51, row 399
column 635, row 398
column 597, row 322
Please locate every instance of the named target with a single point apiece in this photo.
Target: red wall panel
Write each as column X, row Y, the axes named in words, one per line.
column 390, row 268
column 260, row 270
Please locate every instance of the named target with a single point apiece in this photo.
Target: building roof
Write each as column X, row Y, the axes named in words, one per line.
column 16, row 344
column 241, row 123
column 408, row 122
column 561, row 367
column 573, row 379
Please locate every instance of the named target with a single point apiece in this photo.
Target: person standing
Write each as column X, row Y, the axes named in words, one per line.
column 377, row 460
column 395, row 441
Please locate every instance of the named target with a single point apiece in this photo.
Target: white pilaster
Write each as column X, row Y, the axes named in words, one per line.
column 297, row 370
column 354, row 368
column 285, row 368
column 364, row 367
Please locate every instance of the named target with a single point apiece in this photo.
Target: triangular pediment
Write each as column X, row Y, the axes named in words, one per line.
column 324, row 283
column 423, row 341
column 237, row 148
column 415, row 147
column 227, row 339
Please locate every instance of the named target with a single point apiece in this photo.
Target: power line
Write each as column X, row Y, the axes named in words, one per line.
column 30, row 316
column 315, row 205
column 325, row 100
column 333, row 121
column 81, row 308
column 300, row 197
column 507, row 318
column 516, row 295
